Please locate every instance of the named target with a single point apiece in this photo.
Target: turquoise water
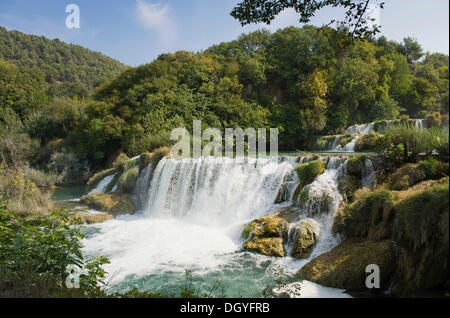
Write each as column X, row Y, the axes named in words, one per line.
column 68, row 193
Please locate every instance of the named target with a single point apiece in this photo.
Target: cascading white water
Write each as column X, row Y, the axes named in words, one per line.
column 216, row 190
column 192, row 214
column 103, row 185
column 362, row 129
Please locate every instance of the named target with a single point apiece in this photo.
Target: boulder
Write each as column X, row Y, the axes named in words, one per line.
column 266, row 235
column 304, row 236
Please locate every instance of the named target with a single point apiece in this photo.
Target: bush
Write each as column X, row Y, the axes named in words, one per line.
column 22, row 195
column 434, row 169
column 70, row 167
column 412, row 141
column 36, row 253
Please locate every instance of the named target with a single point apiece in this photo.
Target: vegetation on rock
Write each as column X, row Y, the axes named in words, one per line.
column 116, row 203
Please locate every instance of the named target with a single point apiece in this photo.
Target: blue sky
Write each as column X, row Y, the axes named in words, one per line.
column 137, row 31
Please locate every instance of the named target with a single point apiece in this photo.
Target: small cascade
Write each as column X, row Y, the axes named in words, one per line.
column 103, row 185
column 362, row 129
column 142, row 185
column 369, row 174
column 320, row 201
column 420, row 124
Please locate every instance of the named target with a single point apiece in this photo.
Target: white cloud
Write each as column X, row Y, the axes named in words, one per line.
column 156, row 17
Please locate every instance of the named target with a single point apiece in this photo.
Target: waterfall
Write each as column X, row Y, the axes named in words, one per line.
column 103, row 185
column 191, row 215
column 216, row 190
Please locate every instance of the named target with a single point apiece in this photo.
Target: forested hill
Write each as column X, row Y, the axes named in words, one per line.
column 302, row 80
column 58, row 61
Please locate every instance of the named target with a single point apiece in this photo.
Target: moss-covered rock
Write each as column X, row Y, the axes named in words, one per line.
column 304, row 236
column 270, row 230
column 271, row 246
column 116, row 203
column 417, row 219
column 314, row 202
column 355, row 166
column 348, row 185
column 421, row 230
column 404, row 177
column 283, row 194
column 345, row 265
column 127, row 180
column 369, row 217
column 366, row 143
column 97, row 218
column 307, row 173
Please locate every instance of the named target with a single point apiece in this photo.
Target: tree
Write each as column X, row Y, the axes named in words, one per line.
column 412, row 49
column 256, row 11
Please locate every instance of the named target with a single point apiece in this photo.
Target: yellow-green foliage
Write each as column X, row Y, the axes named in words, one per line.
column 22, row 195
column 369, row 217
column 158, row 154
column 345, row 265
column 434, row 120
column 154, row 157
column 127, row 180
column 367, row 142
column 117, row 203
column 434, row 169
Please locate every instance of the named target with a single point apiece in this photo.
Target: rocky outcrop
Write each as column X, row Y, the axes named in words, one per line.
column 415, row 220
column 116, row 203
column 345, row 265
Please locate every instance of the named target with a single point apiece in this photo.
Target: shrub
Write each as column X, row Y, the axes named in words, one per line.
column 22, row 195
column 35, row 255
column 434, row 120
column 434, row 169
column 70, row 167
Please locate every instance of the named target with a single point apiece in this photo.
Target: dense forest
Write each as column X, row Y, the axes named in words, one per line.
column 56, row 116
